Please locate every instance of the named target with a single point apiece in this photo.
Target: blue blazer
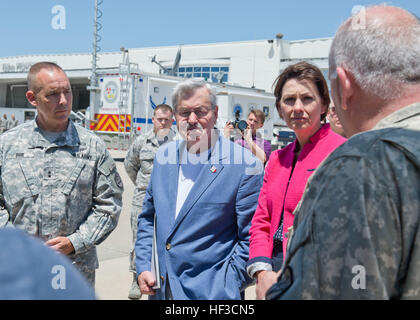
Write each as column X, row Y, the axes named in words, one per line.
column 203, row 252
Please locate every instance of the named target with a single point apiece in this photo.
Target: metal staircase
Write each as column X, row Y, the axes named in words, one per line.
column 128, row 75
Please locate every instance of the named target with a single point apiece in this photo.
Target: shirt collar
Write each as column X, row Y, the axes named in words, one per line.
column 69, row 137
column 151, row 136
column 322, row 132
column 398, row 116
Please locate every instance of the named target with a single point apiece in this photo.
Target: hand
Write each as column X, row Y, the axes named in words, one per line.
column 228, row 129
column 146, row 281
column 247, row 134
column 265, row 279
column 61, row 244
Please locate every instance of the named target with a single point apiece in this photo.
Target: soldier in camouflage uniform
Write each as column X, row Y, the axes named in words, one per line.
column 13, row 122
column 58, row 181
column 138, row 164
column 3, row 124
column 356, row 228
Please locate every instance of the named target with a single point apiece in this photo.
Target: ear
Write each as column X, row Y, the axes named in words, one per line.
column 324, row 111
column 328, row 116
column 30, row 95
column 347, row 86
column 216, row 112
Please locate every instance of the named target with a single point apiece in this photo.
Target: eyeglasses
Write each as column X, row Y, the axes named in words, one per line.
column 200, row 112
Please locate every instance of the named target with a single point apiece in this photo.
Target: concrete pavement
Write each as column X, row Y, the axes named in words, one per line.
column 112, row 278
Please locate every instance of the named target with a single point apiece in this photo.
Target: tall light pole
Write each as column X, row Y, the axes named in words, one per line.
column 93, row 87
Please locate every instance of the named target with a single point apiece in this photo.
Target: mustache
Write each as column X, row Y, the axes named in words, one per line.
column 193, row 127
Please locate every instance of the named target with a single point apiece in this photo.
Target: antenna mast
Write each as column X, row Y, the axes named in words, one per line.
column 93, row 87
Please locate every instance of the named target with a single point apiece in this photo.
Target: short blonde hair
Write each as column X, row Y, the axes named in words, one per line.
column 259, row 114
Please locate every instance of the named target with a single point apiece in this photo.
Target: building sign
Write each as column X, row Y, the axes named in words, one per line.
column 154, row 105
column 17, row 67
column 266, row 111
column 237, row 111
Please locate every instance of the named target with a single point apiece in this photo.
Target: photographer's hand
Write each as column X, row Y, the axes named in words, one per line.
column 247, row 135
column 255, row 149
column 228, row 129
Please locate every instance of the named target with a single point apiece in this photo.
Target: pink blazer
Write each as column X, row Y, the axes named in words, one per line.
column 278, row 192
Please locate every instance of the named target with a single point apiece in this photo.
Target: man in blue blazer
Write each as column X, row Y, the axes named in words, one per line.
column 203, row 193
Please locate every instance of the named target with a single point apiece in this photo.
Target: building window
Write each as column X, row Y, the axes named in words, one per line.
column 209, row 73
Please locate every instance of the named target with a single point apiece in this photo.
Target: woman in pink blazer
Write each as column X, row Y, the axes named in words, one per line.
column 302, row 101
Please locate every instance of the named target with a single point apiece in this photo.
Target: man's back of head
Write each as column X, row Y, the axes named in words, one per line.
column 378, row 52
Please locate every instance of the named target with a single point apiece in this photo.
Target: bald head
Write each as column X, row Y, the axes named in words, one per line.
column 380, row 46
column 390, row 16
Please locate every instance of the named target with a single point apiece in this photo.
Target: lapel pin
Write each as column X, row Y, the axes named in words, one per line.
column 213, row 169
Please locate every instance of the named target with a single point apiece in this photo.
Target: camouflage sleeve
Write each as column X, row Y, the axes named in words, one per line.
column 132, row 159
column 346, row 235
column 106, row 206
column 4, row 214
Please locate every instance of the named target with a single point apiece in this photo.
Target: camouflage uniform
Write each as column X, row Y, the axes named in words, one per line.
column 3, row 125
column 10, row 124
column 138, row 164
column 357, row 227
column 66, row 188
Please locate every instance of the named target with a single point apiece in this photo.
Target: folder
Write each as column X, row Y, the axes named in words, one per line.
column 155, row 260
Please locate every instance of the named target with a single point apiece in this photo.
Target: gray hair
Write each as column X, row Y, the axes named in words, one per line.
column 186, row 89
column 382, row 57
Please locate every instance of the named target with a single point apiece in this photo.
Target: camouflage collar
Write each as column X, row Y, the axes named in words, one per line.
column 398, row 116
column 151, row 136
column 70, row 137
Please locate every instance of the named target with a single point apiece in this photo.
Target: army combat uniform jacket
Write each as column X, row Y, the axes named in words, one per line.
column 11, row 124
column 66, row 188
column 357, row 228
column 139, row 162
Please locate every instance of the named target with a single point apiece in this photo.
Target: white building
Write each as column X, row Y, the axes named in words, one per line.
column 244, row 63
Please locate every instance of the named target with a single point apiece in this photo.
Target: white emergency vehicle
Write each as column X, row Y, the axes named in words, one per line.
column 126, row 105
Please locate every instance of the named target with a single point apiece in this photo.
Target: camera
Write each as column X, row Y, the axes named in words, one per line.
column 239, row 124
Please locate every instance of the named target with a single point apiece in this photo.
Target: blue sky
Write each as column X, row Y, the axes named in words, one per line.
column 26, row 25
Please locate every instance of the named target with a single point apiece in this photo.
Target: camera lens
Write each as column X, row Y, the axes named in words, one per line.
column 242, row 125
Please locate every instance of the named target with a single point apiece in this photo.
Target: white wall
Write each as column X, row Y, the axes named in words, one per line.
column 312, row 48
column 251, row 63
